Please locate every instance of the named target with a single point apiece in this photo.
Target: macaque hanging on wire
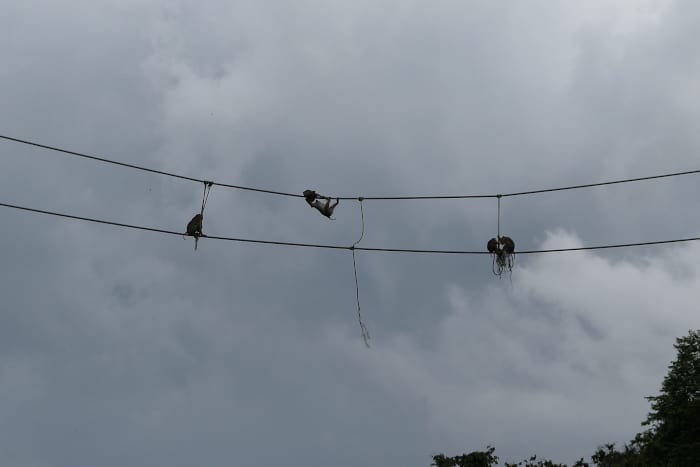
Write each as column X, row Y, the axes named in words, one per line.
column 502, row 250
column 312, row 198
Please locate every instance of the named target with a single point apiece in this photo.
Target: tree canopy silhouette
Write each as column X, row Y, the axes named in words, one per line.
column 672, row 438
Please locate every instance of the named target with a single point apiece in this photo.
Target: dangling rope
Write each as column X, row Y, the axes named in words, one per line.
column 195, row 227
column 362, row 215
column 363, row 328
column 503, row 253
column 205, row 197
column 497, row 271
column 498, row 229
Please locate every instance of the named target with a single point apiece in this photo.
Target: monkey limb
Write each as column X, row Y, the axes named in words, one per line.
column 508, row 244
column 326, row 208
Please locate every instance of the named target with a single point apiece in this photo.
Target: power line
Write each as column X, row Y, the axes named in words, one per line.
column 613, row 182
column 340, row 247
column 163, row 231
column 533, row 192
column 145, row 169
column 375, row 198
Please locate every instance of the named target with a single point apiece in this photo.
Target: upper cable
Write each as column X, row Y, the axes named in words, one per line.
column 373, row 198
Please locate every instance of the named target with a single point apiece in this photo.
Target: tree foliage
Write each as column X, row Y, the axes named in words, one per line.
column 674, row 434
column 473, row 459
column 672, row 438
column 534, row 462
column 608, row 456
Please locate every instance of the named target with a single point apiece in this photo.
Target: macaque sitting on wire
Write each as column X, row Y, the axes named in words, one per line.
column 312, row 198
column 194, row 228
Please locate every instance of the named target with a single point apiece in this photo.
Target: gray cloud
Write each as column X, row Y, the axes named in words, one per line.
column 122, row 347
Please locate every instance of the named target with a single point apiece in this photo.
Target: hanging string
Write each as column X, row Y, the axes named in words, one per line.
column 504, row 256
column 510, row 257
column 498, row 229
column 198, row 224
column 496, row 271
column 363, row 328
column 362, row 214
column 205, row 197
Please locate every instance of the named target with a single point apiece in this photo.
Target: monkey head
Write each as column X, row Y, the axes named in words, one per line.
column 310, row 196
column 492, row 246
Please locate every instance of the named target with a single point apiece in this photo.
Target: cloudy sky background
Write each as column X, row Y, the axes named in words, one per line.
column 123, row 347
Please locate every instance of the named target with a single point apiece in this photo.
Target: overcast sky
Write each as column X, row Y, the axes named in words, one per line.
column 122, row 347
